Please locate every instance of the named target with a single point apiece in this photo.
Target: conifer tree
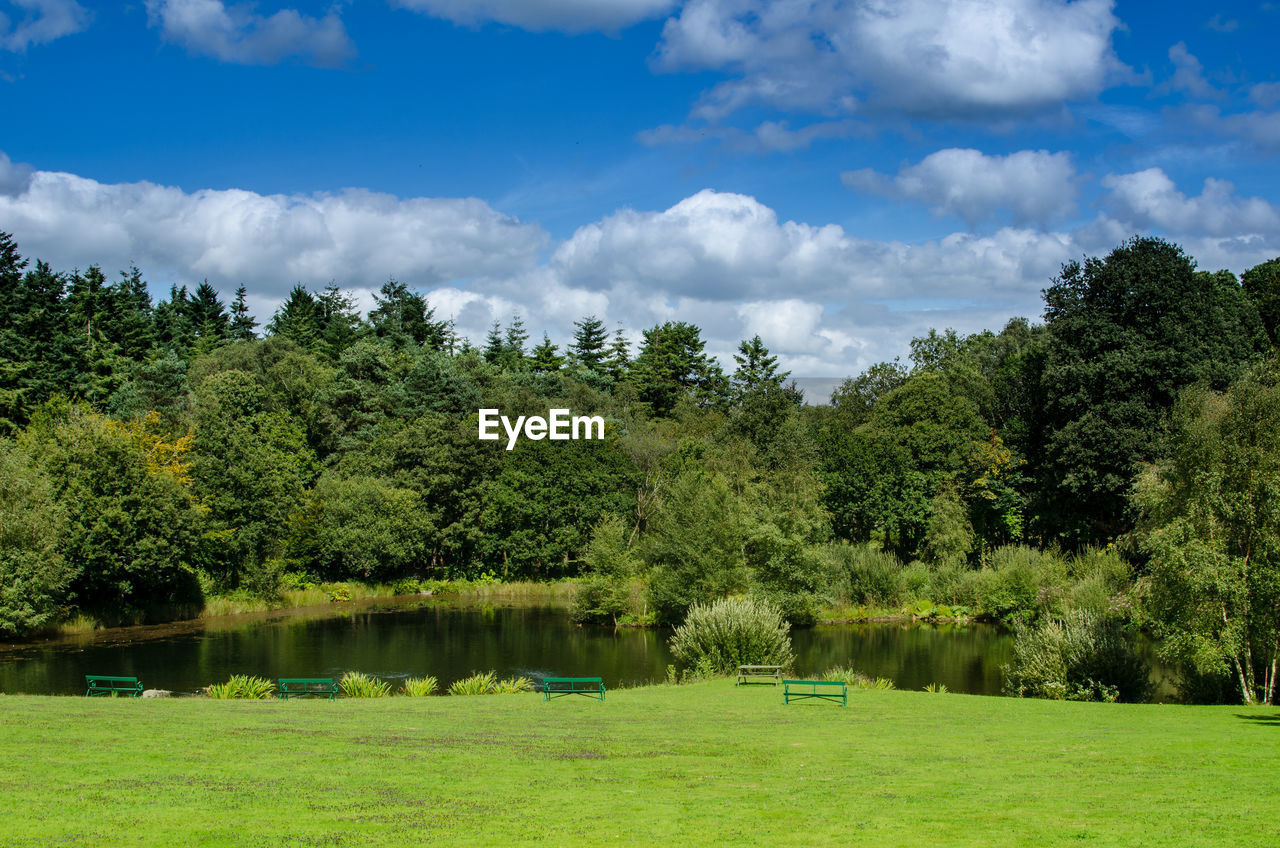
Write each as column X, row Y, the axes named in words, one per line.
column 544, row 358
column 242, row 328
column 589, row 341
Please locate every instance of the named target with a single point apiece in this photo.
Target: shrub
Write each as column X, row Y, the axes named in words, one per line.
column 857, row 679
column 1080, row 657
column 732, row 632
column 512, row 686
column 357, row 685
column 480, row 683
column 420, row 687
column 243, row 686
column 863, row 573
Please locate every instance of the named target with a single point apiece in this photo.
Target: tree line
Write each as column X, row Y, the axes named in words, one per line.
column 155, row 454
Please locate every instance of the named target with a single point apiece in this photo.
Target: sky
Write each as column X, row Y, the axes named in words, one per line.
column 837, row 176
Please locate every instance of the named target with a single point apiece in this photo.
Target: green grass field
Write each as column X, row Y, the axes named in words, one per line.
column 704, row 764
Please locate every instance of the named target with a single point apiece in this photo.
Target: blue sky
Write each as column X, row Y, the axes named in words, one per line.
column 835, row 175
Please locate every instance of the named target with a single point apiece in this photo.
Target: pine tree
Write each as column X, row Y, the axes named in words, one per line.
column 514, row 343
column 589, row 341
column 493, row 345
column 340, row 322
column 619, row 361
column 405, row 317
column 757, row 370
column 544, row 359
column 208, row 318
column 242, row 323
column 130, row 324
column 297, row 319
column 172, row 317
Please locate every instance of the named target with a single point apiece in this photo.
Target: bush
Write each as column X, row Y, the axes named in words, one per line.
column 864, row 574
column 513, row 686
column 420, row 687
column 1080, row 657
column 1019, row 583
column 729, row 633
column 357, row 685
column 480, row 683
column 242, row 686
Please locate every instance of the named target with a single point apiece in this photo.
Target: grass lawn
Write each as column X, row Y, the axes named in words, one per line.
column 704, row 764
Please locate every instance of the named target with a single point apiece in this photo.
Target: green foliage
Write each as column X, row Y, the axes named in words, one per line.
column 355, row 684
column 605, row 594
column 243, row 687
column 863, row 574
column 1126, row 334
column 694, row 547
column 512, row 686
column 34, row 574
column 936, row 688
column 1079, row 657
column 857, row 680
column 671, row 365
column 1211, row 524
column 420, row 687
column 732, row 632
column 480, row 683
column 360, row 528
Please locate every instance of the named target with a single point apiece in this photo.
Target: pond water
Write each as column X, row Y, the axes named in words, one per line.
column 410, row 638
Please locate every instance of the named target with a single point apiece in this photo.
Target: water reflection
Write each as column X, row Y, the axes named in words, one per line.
column 451, row 641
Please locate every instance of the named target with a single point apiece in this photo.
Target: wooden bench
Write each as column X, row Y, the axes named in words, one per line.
column 306, row 687
column 824, row 690
column 773, row 673
column 99, row 686
column 558, row 687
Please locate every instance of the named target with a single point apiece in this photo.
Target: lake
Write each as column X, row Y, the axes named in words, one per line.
column 411, row 637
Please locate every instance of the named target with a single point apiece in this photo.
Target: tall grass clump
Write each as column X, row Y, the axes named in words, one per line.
column 480, row 683
column 856, row 679
column 420, row 687
column 513, row 686
column 354, row 684
column 731, row 632
column 243, row 686
column 1079, row 657
column 862, row 574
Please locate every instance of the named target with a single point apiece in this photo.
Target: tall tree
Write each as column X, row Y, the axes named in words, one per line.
column 242, row 327
column 298, row 318
column 131, row 324
column 757, row 369
column 405, row 317
column 1262, row 284
column 589, row 342
column 1125, row 335
column 619, row 360
column 544, row 359
column 671, row 364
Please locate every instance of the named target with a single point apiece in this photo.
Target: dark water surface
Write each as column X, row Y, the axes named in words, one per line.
column 402, row 639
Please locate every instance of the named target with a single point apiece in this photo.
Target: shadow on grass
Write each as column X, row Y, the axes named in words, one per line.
column 1273, row 719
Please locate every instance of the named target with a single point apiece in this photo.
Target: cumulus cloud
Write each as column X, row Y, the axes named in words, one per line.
column 827, row 301
column 1149, row 199
column 1188, row 74
column 238, row 34
column 1032, row 185
column 14, row 176
column 540, row 15
column 42, row 21
column 767, row 137
column 268, row 242
column 934, row 58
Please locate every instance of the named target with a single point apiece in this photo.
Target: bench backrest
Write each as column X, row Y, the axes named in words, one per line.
column 572, row 686
column 97, row 685
column 307, row 687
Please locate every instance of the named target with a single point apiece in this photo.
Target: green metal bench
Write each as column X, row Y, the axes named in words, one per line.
column 98, row 686
column 306, row 687
column 558, row 687
column 824, row 690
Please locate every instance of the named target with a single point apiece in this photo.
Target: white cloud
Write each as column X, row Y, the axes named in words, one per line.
column 828, row 302
column 540, row 15
column 1188, row 74
column 267, row 242
column 938, row 58
column 238, row 34
column 14, row 176
column 1150, row 199
column 42, row 21
column 768, row 137
column 1034, row 186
